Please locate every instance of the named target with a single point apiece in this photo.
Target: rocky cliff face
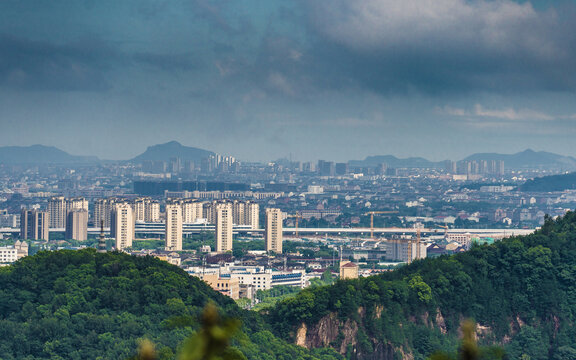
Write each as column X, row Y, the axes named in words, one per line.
column 325, row 332
column 341, row 335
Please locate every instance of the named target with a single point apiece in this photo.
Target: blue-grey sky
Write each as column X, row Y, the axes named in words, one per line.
column 263, row 79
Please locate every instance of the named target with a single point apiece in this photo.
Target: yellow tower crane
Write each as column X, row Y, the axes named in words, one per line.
column 297, row 216
column 445, row 227
column 371, row 213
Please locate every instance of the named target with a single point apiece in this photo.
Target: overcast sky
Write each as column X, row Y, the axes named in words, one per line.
column 265, row 79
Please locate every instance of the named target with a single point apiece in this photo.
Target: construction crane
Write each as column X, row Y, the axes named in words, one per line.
column 445, row 227
column 418, row 247
column 297, row 216
column 371, row 213
column 411, row 244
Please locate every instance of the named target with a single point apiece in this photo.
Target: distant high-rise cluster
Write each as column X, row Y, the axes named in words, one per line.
column 212, row 164
column 326, row 168
column 479, row 167
column 218, row 163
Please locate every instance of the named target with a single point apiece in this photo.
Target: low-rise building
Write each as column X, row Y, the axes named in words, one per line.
column 256, row 277
column 348, row 270
column 223, row 283
column 10, row 254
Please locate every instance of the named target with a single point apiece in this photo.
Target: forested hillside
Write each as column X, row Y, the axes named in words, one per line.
column 551, row 183
column 521, row 291
column 86, row 305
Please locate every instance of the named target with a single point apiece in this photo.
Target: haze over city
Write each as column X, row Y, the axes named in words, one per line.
column 308, row 79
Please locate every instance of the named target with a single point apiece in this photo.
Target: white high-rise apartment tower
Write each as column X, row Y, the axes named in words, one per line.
column 147, row 210
column 173, row 226
column 252, row 215
column 76, row 203
column 238, row 212
column 191, row 211
column 102, row 210
column 152, row 211
column 139, row 209
column 209, row 211
column 224, row 222
column 274, row 230
column 57, row 211
column 122, row 225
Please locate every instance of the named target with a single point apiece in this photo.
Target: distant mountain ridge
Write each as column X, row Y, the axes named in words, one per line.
column 529, row 159
column 172, row 149
column 40, row 154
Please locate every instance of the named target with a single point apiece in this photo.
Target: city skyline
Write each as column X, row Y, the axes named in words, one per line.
column 302, row 78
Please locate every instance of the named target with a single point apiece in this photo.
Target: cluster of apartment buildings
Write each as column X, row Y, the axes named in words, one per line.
column 475, row 167
column 70, row 214
column 223, row 214
column 122, row 215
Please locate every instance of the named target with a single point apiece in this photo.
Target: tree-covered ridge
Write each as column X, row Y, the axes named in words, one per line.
column 551, row 183
column 87, row 305
column 521, row 291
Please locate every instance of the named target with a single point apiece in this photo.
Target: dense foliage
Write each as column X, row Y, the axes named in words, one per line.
column 521, row 291
column 86, row 305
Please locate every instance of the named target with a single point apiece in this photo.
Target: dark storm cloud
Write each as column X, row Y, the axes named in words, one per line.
column 320, row 73
column 38, row 65
column 281, row 67
column 442, row 46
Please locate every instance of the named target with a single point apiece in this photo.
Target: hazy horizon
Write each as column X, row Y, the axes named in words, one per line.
column 312, row 80
column 460, row 157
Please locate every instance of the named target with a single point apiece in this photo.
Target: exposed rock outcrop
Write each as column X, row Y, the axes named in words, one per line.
column 341, row 335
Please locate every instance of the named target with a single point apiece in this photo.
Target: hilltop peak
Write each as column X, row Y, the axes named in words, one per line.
column 172, row 149
column 172, row 143
column 40, row 154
